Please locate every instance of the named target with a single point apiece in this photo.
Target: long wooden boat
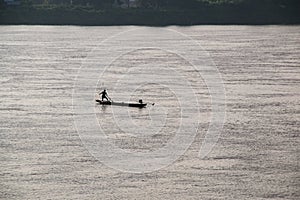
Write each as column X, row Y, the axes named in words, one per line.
column 138, row 105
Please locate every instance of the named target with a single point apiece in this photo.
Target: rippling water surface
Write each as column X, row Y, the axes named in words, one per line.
column 44, row 155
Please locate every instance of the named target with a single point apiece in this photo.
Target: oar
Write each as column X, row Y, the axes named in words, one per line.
column 109, row 98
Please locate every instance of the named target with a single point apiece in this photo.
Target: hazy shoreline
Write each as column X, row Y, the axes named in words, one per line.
column 84, row 16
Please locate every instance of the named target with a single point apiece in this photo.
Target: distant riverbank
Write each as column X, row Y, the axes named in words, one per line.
column 83, row 15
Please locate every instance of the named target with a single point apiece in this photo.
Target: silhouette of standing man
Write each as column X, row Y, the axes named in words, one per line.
column 104, row 95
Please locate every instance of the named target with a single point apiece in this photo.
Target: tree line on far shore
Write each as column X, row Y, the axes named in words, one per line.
column 151, row 12
column 162, row 4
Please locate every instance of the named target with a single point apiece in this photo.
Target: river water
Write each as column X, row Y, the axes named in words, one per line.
column 222, row 120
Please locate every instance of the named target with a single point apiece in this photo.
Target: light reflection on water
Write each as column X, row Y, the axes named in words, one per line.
column 256, row 157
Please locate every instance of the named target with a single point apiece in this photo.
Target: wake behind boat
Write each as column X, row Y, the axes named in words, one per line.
column 138, row 105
